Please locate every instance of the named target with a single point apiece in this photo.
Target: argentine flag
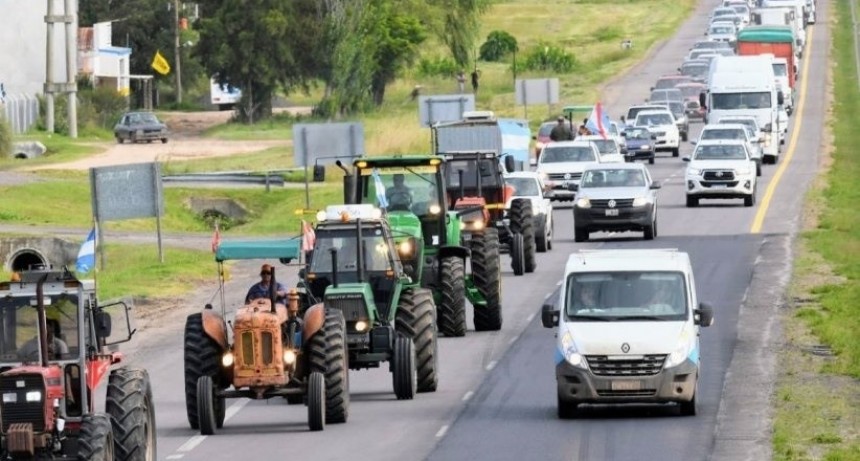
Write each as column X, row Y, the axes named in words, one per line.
column 380, row 189
column 87, row 254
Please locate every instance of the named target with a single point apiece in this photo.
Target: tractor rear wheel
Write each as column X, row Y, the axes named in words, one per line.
column 403, row 370
column 202, row 358
column 522, row 222
column 316, row 401
column 327, row 354
column 452, row 303
column 129, row 404
column 415, row 319
column 487, row 277
column 518, row 257
column 95, row 440
column 207, row 405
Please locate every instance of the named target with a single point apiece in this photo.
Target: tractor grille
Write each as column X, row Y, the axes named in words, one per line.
column 647, row 365
column 352, row 306
column 718, row 175
column 619, row 203
column 22, row 411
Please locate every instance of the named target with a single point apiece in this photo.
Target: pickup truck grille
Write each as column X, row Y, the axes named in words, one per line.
column 647, row 365
column 718, row 175
column 619, row 203
column 560, row 176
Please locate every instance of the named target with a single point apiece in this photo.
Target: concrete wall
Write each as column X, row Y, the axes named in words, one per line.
column 20, row 252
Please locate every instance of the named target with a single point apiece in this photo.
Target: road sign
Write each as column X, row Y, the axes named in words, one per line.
column 320, row 143
column 444, row 108
column 537, row 91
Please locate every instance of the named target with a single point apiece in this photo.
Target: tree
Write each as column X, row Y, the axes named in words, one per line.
column 499, row 43
column 397, row 37
column 458, row 26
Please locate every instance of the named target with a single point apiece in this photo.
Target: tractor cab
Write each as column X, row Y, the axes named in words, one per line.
column 475, row 180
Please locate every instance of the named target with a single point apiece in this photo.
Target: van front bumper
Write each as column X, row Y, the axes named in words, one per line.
column 577, row 385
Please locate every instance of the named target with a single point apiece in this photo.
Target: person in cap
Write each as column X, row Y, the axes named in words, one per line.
column 261, row 289
column 561, row 132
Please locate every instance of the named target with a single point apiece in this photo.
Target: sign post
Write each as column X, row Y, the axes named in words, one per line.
column 537, row 91
column 319, row 143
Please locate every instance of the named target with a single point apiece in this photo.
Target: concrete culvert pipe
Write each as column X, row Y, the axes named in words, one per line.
column 27, row 259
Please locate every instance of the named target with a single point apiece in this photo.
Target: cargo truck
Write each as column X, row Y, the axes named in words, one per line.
column 779, row 42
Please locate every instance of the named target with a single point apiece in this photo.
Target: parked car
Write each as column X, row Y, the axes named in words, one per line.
column 640, row 144
column 140, row 126
column 530, row 185
column 721, row 170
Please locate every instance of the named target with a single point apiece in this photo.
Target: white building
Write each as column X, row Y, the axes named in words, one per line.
column 105, row 64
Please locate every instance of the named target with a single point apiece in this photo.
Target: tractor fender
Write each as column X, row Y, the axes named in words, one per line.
column 313, row 321
column 454, row 250
column 215, row 328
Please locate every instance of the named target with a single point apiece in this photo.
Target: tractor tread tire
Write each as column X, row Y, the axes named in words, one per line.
column 404, row 374
column 452, row 303
column 327, row 354
column 486, row 275
column 415, row 319
column 130, row 406
column 542, row 237
column 206, row 405
column 202, row 358
column 316, row 401
column 95, row 439
column 522, row 222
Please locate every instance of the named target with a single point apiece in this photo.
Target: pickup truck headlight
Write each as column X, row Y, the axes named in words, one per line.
column 743, row 171
column 694, row 172
column 641, row 201
column 684, row 348
column 583, row 203
column 646, row 147
column 571, row 354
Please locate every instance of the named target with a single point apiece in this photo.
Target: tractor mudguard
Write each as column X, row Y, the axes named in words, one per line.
column 313, row 321
column 215, row 328
column 454, row 250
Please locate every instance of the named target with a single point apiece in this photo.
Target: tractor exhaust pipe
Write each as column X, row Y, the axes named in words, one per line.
column 359, row 258
column 333, row 267
column 478, row 176
column 273, row 292
column 462, row 186
column 43, row 324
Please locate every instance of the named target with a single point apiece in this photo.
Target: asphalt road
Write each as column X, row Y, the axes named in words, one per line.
column 496, row 397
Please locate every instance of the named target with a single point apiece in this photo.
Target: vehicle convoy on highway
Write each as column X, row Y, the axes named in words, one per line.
column 57, row 345
column 266, row 350
column 354, row 274
column 627, row 324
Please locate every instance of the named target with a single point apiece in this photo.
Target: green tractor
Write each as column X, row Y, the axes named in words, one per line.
column 354, row 268
column 417, row 210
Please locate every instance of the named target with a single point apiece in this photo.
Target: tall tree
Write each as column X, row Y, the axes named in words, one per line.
column 397, row 35
column 458, row 26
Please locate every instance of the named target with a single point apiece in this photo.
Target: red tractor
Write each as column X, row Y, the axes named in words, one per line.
column 54, row 339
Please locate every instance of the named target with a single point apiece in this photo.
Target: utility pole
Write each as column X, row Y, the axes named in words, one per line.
column 71, row 68
column 49, row 70
column 70, row 86
column 178, row 49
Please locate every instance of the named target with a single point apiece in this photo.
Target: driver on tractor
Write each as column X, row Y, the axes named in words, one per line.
column 261, row 289
column 56, row 346
column 399, row 196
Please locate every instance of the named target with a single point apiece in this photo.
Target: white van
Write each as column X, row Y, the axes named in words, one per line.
column 628, row 329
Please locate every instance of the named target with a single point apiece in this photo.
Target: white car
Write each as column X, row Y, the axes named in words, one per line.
column 722, row 170
column 763, row 139
column 663, row 125
column 562, row 164
column 722, row 31
column 627, row 327
column 609, row 148
column 530, row 185
column 713, row 132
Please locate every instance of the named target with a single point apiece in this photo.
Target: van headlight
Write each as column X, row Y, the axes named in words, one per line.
column 571, row 354
column 686, row 344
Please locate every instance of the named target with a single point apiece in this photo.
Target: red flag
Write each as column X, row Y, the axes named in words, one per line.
column 308, row 236
column 216, row 238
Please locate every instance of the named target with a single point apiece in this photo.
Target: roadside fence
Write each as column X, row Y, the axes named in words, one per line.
column 20, row 111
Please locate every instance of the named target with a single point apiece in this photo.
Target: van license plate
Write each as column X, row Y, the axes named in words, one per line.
column 612, row 212
column 626, row 385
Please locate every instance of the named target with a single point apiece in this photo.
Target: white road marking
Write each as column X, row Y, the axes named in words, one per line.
column 491, row 365
column 442, row 431
column 175, row 457
column 192, row 443
column 233, row 409
column 530, row 317
column 468, row 396
column 514, row 339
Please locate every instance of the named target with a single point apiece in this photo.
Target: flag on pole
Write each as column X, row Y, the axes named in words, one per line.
column 87, row 254
column 216, row 238
column 160, row 64
column 380, row 189
column 598, row 121
column 308, row 236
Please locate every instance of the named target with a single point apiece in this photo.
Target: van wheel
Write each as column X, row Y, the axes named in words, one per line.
column 690, row 408
column 692, row 201
column 566, row 410
column 676, row 151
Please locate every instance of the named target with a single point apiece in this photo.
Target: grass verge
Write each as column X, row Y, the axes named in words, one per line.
column 819, row 386
column 60, row 148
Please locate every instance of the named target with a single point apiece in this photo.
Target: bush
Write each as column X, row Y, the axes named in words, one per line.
column 437, row 67
column 546, row 57
column 498, row 45
column 607, row 33
column 99, row 108
column 5, row 139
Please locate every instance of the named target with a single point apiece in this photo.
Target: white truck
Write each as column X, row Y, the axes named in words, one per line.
column 224, row 97
column 627, row 324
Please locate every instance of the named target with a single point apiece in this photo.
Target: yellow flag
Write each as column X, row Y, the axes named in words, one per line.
column 160, row 64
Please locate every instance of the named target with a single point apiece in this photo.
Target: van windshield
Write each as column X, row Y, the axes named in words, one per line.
column 732, row 101
column 626, row 296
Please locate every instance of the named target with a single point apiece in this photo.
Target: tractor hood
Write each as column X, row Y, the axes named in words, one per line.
column 355, row 300
column 404, row 222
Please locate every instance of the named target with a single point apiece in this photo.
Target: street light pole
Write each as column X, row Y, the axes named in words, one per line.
column 178, row 51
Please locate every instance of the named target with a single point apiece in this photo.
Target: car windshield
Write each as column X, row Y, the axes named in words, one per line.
column 668, row 83
column 741, row 9
column 653, row 119
column 722, row 30
column 524, row 187
column 695, row 70
column 734, row 101
column 780, row 69
column 749, row 124
column 690, row 91
column 605, row 146
column 19, row 332
column 567, row 154
column 666, row 95
column 608, row 177
column 720, row 152
column 626, row 296
column 637, row 133
column 677, row 108
column 377, row 255
column 723, row 133
column 709, row 45
column 411, row 188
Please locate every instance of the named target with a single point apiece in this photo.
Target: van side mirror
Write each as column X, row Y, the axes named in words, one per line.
column 549, row 315
column 780, row 98
column 103, row 324
column 319, row 173
column 510, row 164
column 702, row 99
column 704, row 315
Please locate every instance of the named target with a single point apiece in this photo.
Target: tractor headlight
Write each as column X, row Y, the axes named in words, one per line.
column 227, row 359
column 462, row 225
column 11, row 397
column 34, row 396
column 478, row 225
column 321, row 216
column 405, row 248
column 360, row 326
column 289, row 357
column 435, row 209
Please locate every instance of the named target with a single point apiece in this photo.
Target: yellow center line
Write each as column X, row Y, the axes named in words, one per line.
column 792, row 144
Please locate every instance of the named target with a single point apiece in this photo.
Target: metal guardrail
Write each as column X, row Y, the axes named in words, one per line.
column 267, row 179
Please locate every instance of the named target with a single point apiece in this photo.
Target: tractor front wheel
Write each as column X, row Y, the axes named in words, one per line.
column 415, row 319
column 518, row 257
column 129, row 404
column 207, row 405
column 522, row 222
column 487, row 277
column 95, row 439
column 452, row 305
column 316, row 401
column 202, row 358
column 403, row 369
column 327, row 355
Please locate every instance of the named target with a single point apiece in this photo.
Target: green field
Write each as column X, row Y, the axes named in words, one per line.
column 818, row 393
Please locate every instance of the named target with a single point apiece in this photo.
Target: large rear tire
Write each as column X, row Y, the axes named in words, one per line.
column 415, row 319
column 403, row 370
column 327, row 354
column 202, row 358
column 452, row 299
column 95, row 439
column 486, row 275
column 316, row 401
column 522, row 222
column 129, row 404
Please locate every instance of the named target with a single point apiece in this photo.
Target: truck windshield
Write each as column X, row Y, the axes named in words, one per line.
column 626, row 296
column 780, row 70
column 734, row 101
column 19, row 331
column 567, row 154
